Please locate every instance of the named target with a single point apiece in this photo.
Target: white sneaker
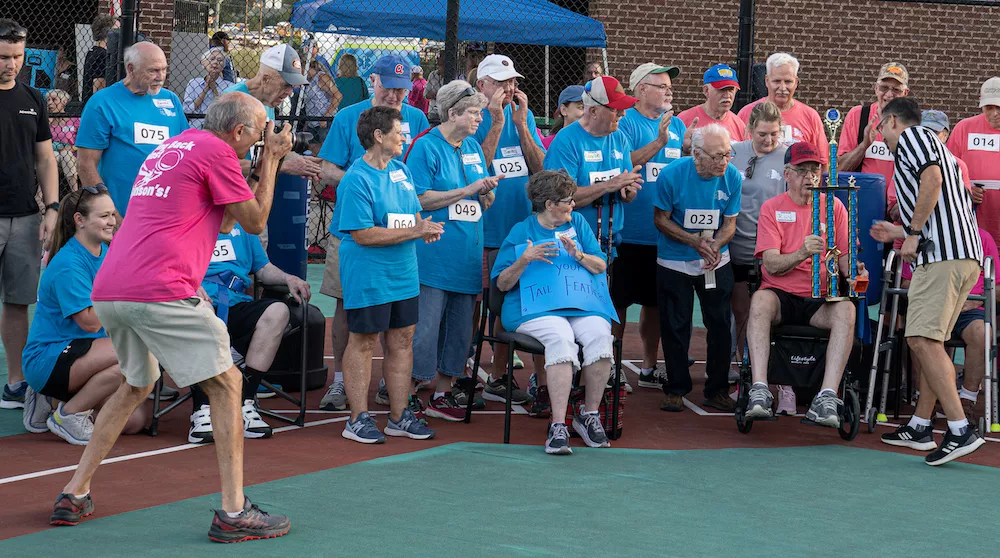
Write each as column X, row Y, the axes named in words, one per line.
column 75, row 429
column 37, row 408
column 253, row 425
column 201, row 426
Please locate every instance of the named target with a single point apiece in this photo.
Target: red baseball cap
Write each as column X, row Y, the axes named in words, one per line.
column 802, row 152
column 606, row 91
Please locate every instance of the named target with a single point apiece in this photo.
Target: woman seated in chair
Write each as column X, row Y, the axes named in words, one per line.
column 68, row 360
column 533, row 245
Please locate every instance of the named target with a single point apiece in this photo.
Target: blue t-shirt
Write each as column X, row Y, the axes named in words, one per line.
column 703, row 202
column 454, row 263
column 638, row 227
column 127, row 127
column 242, row 88
column 63, row 290
column 511, row 205
column 373, row 275
column 342, row 146
column 589, row 160
column 530, row 229
column 240, row 253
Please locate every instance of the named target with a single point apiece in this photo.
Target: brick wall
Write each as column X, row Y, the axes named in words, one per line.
column 948, row 49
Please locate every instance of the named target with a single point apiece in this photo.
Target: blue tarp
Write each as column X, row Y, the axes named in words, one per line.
column 528, row 22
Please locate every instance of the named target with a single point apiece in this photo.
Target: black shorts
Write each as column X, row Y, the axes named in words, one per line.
column 57, row 387
column 633, row 276
column 796, row 310
column 391, row 315
column 243, row 319
column 741, row 273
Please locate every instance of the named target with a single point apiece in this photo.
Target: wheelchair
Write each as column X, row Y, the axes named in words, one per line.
column 892, row 354
column 805, row 371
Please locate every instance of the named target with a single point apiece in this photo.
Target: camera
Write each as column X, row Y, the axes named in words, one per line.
column 301, row 141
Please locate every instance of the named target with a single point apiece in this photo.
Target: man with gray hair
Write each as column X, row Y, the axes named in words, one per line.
column 695, row 206
column 147, row 297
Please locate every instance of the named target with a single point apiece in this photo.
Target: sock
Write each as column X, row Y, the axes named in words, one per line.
column 234, row 515
column 251, row 381
column 82, row 496
column 957, row 427
column 647, row 371
column 970, row 395
column 918, row 423
column 338, row 377
column 827, row 390
column 759, row 385
column 438, row 394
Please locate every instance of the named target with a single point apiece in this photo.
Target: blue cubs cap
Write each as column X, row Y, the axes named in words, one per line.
column 393, row 71
column 721, row 76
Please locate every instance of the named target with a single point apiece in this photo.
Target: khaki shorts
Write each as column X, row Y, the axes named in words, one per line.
column 937, row 293
column 20, row 259
column 331, row 272
column 184, row 336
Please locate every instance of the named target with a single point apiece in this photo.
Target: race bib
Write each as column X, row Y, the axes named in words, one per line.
column 471, row 159
column 405, row 128
column 879, row 151
column 511, row 167
column 465, row 210
column 223, row 251
column 786, row 134
column 149, row 134
column 593, row 156
column 785, row 216
column 397, row 175
column 512, row 151
column 984, row 142
column 401, row 220
column 703, row 219
column 653, row 171
column 597, row 177
column 163, row 103
column 672, row 152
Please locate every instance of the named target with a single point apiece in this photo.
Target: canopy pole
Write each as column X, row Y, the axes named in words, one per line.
column 548, row 113
column 744, row 53
column 451, row 43
column 604, row 55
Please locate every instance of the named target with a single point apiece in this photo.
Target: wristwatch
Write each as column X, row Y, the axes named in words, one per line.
column 54, row 206
column 909, row 231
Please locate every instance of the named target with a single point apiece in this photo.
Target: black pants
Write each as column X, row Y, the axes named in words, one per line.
column 675, row 297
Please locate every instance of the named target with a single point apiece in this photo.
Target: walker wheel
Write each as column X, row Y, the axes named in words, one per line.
column 871, row 420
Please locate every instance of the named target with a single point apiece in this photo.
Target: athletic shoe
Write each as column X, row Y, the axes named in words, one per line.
column 166, row 394
column 478, row 402
column 265, row 392
column 69, row 510
column 416, row 406
column 649, row 378
column 720, row 402
column 532, row 384
column 558, row 440
column 541, row 407
column 786, row 401
column 363, row 430
column 382, row 395
column 907, row 437
column 496, row 390
column 408, row 426
column 968, row 407
column 13, row 398
column 253, row 425
column 518, row 363
column 201, row 426
column 624, row 381
column 672, row 402
column 423, row 385
column 445, row 407
column 589, row 427
column 75, row 429
column 252, row 524
column 759, row 406
column 335, row 398
column 955, row 446
column 734, row 375
column 37, row 408
column 824, row 410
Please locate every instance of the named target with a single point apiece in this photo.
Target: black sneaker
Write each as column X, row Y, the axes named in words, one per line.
column 954, row 446
column 541, row 407
column 253, row 523
column 496, row 390
column 558, row 440
column 589, row 427
column 907, row 437
column 69, row 510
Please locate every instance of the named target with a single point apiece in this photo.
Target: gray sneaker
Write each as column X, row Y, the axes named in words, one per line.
column 558, row 440
column 824, row 410
column 75, row 429
column 37, row 409
column 496, row 390
column 335, row 398
column 760, row 403
column 408, row 426
column 363, row 430
column 382, row 395
column 477, row 403
column 589, row 427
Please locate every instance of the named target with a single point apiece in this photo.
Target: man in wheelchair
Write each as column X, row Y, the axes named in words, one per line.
column 786, row 245
column 256, row 327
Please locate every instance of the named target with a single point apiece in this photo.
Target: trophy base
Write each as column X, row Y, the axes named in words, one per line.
column 837, row 298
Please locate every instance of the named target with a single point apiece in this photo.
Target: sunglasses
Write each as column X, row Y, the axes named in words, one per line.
column 752, row 164
column 13, row 32
column 92, row 190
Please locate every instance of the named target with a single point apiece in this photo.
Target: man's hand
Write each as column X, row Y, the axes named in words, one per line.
column 625, row 180
column 298, row 288
column 884, row 231
column 978, row 193
column 538, row 252
column 277, row 144
column 47, row 228
column 971, row 305
column 570, row 246
column 862, row 274
column 428, row 229
column 520, row 111
column 909, row 250
column 706, row 249
column 664, row 131
column 203, row 295
column 686, row 145
column 304, row 165
column 495, row 106
column 871, row 131
column 484, row 185
column 487, row 199
column 811, row 245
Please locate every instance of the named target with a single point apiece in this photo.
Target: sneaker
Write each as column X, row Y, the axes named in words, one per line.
column 13, row 398
column 734, row 375
column 75, row 429
column 968, row 407
column 69, row 510
column 649, row 378
column 382, row 395
column 335, row 398
column 445, row 407
column 423, row 385
column 673, row 402
column 496, row 390
column 624, row 382
column 37, row 408
column 786, row 401
column 759, row 405
column 265, row 392
column 201, row 426
column 824, row 410
column 532, row 385
column 478, row 402
column 589, row 427
column 907, row 437
column 408, row 426
column 720, row 402
column 252, row 524
column 253, row 425
column 541, row 407
column 518, row 363
column 363, row 430
column 954, row 446
column 558, row 441
column 166, row 394
column 416, row 406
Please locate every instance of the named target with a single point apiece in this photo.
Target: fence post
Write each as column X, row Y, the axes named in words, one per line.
column 451, row 43
column 744, row 54
column 129, row 23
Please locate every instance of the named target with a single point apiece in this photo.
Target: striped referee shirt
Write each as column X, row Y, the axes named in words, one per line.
column 952, row 224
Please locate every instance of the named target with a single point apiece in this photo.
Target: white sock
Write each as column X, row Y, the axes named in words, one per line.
column 759, row 385
column 438, row 394
column 338, row 377
column 15, row 385
column 957, row 426
column 233, row 515
column 827, row 390
column 918, row 423
column 970, row 395
column 647, row 370
column 81, row 496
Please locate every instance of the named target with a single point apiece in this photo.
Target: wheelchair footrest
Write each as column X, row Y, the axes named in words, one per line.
column 768, row 419
column 811, row 423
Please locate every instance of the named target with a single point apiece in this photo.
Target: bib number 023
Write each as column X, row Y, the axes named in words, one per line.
column 701, row 219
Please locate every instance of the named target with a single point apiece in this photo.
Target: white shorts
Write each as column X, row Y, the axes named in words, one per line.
column 560, row 336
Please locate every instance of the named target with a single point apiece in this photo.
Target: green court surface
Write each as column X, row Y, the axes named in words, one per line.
column 492, row 500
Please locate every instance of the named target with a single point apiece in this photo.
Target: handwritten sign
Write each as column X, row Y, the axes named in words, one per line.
column 563, row 285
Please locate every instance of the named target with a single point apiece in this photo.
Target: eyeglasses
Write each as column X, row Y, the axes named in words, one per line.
column 882, row 122
column 92, row 190
column 751, row 165
column 13, row 33
column 512, row 82
column 717, row 158
column 898, row 91
column 566, row 201
column 662, row 87
column 262, row 130
column 804, row 172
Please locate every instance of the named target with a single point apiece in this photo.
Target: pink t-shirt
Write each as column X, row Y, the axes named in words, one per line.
column 783, row 226
column 878, row 159
column 989, row 250
column 547, row 141
column 165, row 244
column 66, row 132
column 799, row 123
column 978, row 144
column 730, row 122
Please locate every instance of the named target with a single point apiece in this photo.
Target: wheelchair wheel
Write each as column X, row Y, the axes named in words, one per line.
column 850, row 420
column 743, row 424
column 983, row 426
column 872, row 420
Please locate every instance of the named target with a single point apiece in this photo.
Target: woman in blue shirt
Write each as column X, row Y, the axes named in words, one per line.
column 532, row 246
column 454, row 187
column 68, row 357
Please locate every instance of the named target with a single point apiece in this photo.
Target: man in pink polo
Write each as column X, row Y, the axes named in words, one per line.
column 976, row 141
column 147, row 296
column 720, row 87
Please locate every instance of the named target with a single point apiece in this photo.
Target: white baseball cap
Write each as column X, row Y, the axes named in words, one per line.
column 498, row 67
column 989, row 93
column 285, row 60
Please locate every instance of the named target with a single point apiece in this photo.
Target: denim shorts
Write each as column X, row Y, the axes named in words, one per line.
column 443, row 334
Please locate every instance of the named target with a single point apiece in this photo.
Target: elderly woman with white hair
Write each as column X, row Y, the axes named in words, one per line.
column 201, row 91
column 454, row 187
column 696, row 201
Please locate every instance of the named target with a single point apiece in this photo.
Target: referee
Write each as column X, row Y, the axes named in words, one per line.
column 942, row 240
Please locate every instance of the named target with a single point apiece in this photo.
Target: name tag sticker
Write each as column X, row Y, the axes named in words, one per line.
column 400, row 220
column 465, row 210
column 703, row 219
column 593, row 156
column 785, row 216
column 149, row 134
column 223, row 251
column 653, row 171
column 510, row 167
column 672, row 152
column 878, row 150
column 512, row 151
column 471, row 159
column 987, row 184
column 163, row 103
column 786, row 134
column 397, row 175
column 570, row 234
column 597, row 177
column 984, row 142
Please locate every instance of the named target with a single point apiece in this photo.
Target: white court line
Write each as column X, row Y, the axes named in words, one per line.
column 515, row 410
column 687, row 403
